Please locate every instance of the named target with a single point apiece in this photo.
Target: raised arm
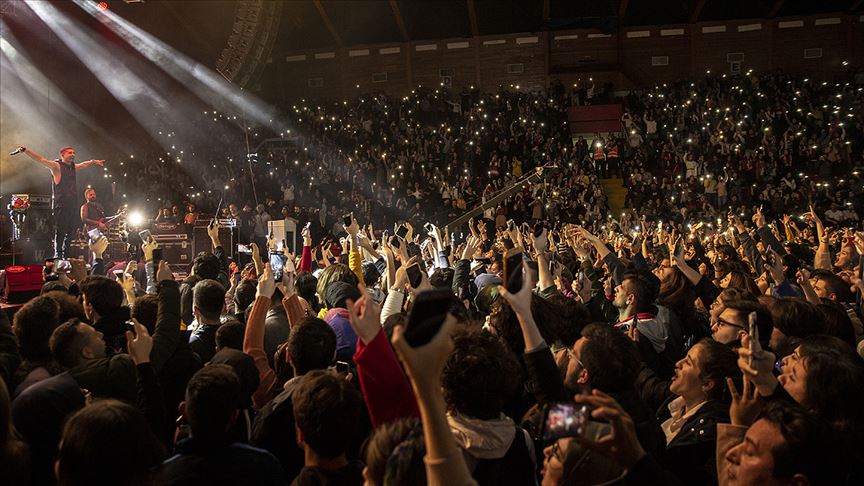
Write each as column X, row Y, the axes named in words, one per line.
column 167, row 332
column 51, row 165
column 445, row 463
column 386, row 389
column 88, row 163
column 546, row 278
column 253, row 340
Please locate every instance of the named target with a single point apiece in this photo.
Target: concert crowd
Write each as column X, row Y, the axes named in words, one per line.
column 709, row 333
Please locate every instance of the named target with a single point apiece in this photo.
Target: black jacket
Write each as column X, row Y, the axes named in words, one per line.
column 274, row 430
column 220, row 463
column 692, row 454
column 115, row 377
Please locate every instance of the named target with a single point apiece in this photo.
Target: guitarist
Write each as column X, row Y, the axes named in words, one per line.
column 92, row 213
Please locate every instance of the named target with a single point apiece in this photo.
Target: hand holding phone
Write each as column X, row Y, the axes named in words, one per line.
column 415, row 275
column 427, row 315
column 753, row 331
column 564, row 419
column 513, row 271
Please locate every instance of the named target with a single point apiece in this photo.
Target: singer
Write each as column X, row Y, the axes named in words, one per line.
column 64, row 194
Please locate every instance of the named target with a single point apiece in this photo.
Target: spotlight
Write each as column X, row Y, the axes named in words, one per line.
column 135, row 218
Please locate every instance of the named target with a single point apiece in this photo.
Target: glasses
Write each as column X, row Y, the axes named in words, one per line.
column 573, row 356
column 555, row 453
column 724, row 322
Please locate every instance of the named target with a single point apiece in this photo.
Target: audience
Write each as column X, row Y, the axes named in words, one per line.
column 711, row 334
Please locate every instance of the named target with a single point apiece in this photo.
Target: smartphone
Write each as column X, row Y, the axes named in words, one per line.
column 395, row 242
column 753, row 330
column 347, row 219
column 538, row 229
column 119, row 275
column 157, row 258
column 564, row 419
column 94, row 234
column 63, row 266
column 241, row 248
column 145, row 236
column 342, row 367
column 402, row 232
column 277, row 263
column 427, row 315
column 513, row 271
column 510, row 225
column 429, row 227
column 415, row 275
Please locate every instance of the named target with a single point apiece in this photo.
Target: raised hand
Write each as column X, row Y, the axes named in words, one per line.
column 365, row 318
column 139, row 344
column 131, row 268
column 266, row 283
column 758, row 366
column 164, row 272
column 521, row 301
column 746, row 406
column 470, row 248
column 622, row 445
column 98, row 247
column 541, row 242
column 147, row 247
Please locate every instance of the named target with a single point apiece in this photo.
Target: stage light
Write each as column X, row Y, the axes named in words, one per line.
column 102, row 5
column 136, row 218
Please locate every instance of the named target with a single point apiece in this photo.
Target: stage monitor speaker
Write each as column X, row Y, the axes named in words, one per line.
column 21, row 283
column 176, row 249
column 227, row 237
column 284, row 229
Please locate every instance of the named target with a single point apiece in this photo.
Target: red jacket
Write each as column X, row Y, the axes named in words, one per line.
column 386, row 389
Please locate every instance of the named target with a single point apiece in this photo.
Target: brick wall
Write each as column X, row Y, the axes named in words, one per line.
column 632, row 57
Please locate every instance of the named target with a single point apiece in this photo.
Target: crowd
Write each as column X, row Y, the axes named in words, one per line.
column 702, row 337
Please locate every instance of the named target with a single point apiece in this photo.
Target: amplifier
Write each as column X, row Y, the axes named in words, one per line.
column 177, row 252
column 21, row 283
column 227, row 237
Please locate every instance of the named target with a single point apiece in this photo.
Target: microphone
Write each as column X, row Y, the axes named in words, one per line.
column 17, row 150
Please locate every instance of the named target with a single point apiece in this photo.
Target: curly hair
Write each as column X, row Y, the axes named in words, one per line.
column 506, row 325
column 480, row 376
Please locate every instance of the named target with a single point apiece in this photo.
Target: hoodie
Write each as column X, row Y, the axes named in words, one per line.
column 346, row 340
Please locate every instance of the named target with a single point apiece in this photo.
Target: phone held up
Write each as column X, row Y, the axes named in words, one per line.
column 427, row 315
column 513, row 270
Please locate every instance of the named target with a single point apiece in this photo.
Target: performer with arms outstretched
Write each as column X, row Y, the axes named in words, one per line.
column 64, row 195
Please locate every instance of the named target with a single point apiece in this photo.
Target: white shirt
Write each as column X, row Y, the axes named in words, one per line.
column 673, row 424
